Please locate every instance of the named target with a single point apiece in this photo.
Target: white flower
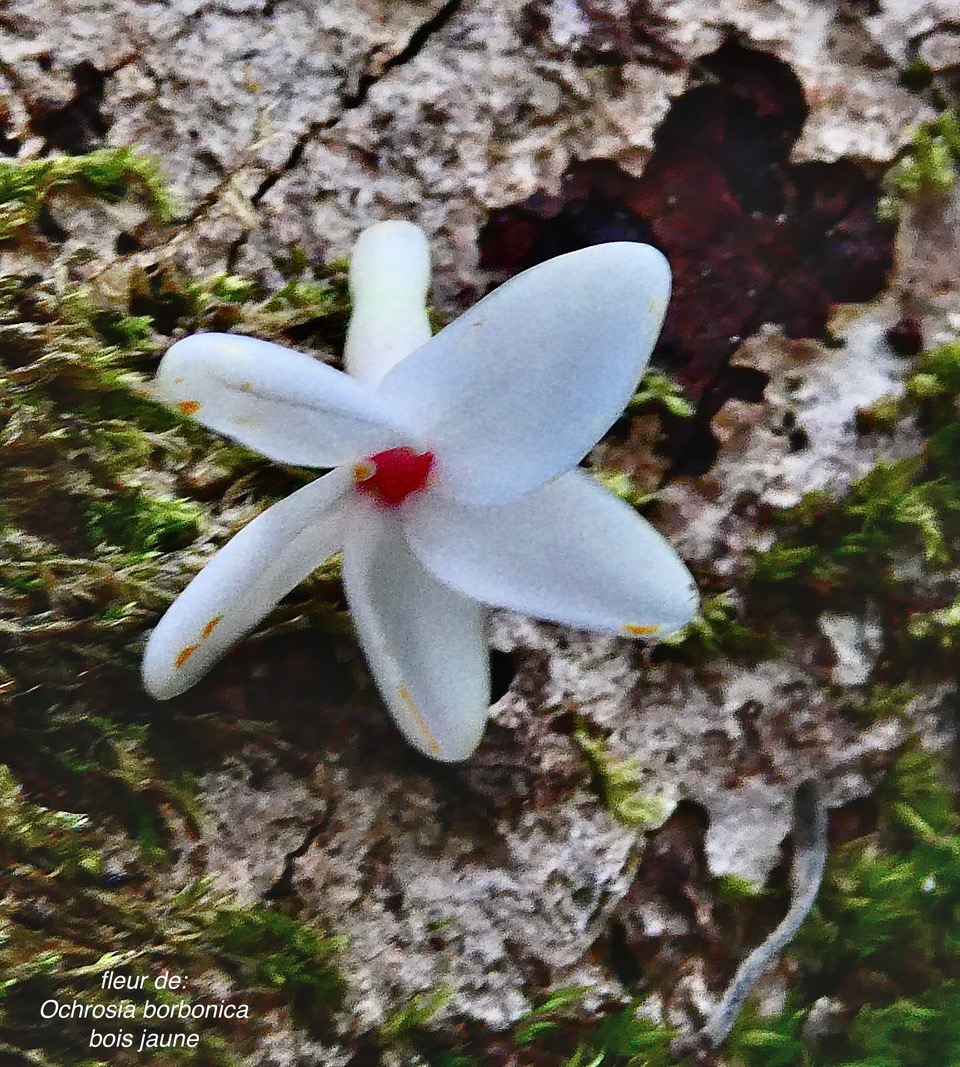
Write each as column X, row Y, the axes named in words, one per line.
column 455, row 484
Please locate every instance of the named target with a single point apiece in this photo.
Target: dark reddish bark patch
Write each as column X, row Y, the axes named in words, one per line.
column 752, row 238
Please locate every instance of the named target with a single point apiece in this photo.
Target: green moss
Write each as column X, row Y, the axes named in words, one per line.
column 888, row 507
column 56, row 863
column 908, row 1032
column 735, row 891
column 623, row 486
column 139, row 523
column 558, row 1031
column 311, row 307
column 721, row 628
column 77, row 978
column 938, row 372
column 231, row 288
column 883, row 939
column 880, row 702
column 105, row 498
column 659, row 390
column 783, row 563
column 283, row 953
column 873, row 901
column 942, row 626
column 95, row 480
column 188, row 934
column 407, row 1020
column 619, row 784
column 53, row 840
column 871, row 543
column 880, row 417
column 928, row 166
column 625, row 1039
column 126, row 332
column 916, row 781
column 774, row 1041
column 897, row 889
column 549, row 1014
column 108, row 174
column 852, row 543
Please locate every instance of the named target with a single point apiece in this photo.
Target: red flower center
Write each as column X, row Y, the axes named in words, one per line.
column 391, row 476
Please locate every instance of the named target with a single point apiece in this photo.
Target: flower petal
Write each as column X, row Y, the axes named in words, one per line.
column 389, row 279
column 282, row 403
column 424, row 642
column 570, row 552
column 519, row 388
column 243, row 582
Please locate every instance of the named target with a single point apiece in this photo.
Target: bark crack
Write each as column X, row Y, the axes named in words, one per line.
column 283, row 885
column 414, row 46
column 418, row 40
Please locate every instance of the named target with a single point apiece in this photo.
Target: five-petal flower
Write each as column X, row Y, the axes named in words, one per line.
column 454, row 484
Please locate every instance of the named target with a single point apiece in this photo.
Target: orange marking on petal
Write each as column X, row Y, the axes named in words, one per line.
column 211, row 626
column 640, row 631
column 189, row 407
column 178, row 381
column 418, row 718
column 185, row 655
column 246, row 387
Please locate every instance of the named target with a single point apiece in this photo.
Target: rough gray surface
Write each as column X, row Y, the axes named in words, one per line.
column 294, row 122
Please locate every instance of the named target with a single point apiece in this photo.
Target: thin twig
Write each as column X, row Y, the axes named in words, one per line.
column 809, row 861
